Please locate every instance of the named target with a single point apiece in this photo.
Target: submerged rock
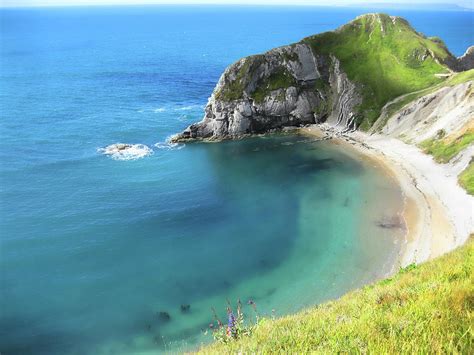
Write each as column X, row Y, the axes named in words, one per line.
column 394, row 222
column 164, row 316
column 185, row 308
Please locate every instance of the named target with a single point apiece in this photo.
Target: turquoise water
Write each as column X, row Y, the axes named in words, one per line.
column 92, row 247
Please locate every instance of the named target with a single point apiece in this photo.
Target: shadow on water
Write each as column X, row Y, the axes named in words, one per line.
column 15, row 337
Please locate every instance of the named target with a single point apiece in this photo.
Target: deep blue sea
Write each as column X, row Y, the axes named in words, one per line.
column 93, row 247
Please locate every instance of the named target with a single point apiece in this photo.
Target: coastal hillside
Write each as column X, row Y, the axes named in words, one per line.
column 422, row 309
column 440, row 121
column 343, row 78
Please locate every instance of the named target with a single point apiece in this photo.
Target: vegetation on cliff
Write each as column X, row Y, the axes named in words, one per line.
column 235, row 88
column 281, row 79
column 423, row 309
column 443, row 149
column 466, row 178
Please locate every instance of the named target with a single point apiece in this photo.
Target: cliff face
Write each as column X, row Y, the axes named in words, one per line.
column 449, row 110
column 287, row 86
column 343, row 78
column 466, row 61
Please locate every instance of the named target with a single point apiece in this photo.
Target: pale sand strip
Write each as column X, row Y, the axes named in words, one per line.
column 439, row 214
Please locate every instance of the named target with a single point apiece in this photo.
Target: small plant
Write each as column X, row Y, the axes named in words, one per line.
column 236, row 327
column 440, row 134
column 407, row 268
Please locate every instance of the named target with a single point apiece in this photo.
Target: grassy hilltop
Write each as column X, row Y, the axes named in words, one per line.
column 386, row 57
column 423, row 309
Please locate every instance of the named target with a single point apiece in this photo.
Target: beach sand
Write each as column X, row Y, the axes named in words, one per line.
column 438, row 213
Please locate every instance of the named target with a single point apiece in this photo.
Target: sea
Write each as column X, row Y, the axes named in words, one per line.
column 106, row 253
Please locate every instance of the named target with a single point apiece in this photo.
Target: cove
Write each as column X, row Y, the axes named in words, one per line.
column 286, row 221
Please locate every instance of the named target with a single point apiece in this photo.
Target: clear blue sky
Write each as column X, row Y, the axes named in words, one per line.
column 14, row 3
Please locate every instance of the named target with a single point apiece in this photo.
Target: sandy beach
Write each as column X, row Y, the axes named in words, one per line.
column 438, row 213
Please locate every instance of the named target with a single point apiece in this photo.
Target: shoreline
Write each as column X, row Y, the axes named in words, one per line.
column 437, row 211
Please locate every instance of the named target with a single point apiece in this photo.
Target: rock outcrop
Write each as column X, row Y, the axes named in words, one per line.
column 462, row 63
column 466, row 61
column 287, row 86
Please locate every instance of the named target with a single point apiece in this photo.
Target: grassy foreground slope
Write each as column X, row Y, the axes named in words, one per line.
column 423, row 309
column 386, row 57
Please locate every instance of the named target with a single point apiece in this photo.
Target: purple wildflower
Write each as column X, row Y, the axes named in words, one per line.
column 231, row 325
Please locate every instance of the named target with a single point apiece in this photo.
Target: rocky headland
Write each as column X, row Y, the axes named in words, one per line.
column 342, row 78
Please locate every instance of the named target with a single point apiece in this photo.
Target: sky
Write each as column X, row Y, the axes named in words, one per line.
column 18, row 3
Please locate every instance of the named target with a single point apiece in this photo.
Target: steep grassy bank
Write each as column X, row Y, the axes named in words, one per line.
column 422, row 309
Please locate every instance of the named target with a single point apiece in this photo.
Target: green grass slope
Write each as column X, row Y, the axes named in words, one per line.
column 455, row 79
column 466, row 178
column 423, row 309
column 386, row 57
column 443, row 151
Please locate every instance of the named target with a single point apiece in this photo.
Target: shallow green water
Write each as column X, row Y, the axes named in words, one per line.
column 289, row 222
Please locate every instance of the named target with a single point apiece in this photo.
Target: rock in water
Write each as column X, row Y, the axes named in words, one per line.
column 123, row 151
column 164, row 316
column 185, row 308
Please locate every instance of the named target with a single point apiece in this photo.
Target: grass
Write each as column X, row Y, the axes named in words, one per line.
column 466, row 178
column 443, row 149
column 422, row 309
column 385, row 63
column 234, row 88
column 277, row 80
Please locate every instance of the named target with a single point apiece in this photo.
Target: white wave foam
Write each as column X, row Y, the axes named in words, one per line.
column 189, row 108
column 122, row 151
column 169, row 146
column 172, row 108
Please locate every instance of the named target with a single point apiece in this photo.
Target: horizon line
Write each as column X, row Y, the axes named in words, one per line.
column 405, row 5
